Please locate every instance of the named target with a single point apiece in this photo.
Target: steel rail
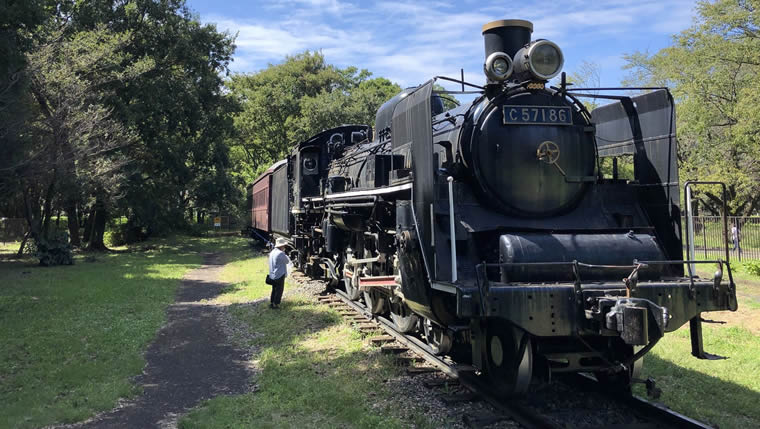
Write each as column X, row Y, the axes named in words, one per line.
column 658, row 413
column 650, row 411
column 521, row 415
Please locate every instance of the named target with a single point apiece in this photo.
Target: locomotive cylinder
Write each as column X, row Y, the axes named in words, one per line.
column 594, row 249
column 508, row 36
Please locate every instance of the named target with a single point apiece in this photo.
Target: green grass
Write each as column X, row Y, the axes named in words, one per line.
column 315, row 372
column 724, row 392
column 245, row 276
column 72, row 336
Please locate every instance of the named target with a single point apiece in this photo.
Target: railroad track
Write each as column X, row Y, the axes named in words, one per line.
column 648, row 414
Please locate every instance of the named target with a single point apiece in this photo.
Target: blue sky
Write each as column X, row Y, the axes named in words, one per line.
column 409, row 42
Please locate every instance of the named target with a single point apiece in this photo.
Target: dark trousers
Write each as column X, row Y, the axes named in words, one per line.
column 277, row 287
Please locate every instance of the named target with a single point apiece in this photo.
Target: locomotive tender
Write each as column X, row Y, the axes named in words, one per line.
column 491, row 229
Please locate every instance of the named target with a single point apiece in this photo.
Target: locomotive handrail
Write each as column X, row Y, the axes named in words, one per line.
column 689, row 226
column 458, row 81
column 575, row 264
column 621, row 88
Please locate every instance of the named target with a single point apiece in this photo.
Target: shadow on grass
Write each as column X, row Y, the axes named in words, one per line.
column 707, row 398
column 314, row 372
column 189, row 361
column 73, row 336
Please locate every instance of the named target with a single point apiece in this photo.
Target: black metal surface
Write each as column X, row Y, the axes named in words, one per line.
column 412, row 125
column 507, row 38
column 644, row 126
column 596, row 249
column 509, row 160
column 384, row 116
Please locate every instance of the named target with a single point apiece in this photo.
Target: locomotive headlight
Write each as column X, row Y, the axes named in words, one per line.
column 542, row 59
column 498, row 66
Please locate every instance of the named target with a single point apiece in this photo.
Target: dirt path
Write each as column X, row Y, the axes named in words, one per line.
column 188, row 362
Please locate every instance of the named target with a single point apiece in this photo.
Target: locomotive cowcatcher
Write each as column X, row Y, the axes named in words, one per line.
column 499, row 230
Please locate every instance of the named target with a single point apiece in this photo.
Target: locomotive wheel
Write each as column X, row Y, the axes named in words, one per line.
column 508, row 358
column 439, row 340
column 403, row 318
column 351, row 290
column 375, row 302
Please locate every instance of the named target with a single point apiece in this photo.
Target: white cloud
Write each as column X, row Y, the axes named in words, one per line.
column 409, row 42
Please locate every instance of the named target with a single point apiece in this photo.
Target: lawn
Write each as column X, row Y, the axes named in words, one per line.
column 723, row 392
column 314, row 369
column 73, row 336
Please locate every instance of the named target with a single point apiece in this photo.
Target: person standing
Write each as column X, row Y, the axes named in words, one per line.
column 278, row 270
column 736, row 237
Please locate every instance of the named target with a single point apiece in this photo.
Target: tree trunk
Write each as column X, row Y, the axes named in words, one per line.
column 98, row 227
column 20, row 252
column 71, row 212
column 89, row 218
column 48, row 207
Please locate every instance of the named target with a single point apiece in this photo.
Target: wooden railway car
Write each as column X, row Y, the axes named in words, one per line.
column 261, row 198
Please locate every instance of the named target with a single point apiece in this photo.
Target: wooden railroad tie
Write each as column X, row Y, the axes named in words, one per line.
column 408, row 360
column 390, row 349
column 416, row 370
column 480, row 421
column 440, row 382
column 380, row 339
column 459, row 397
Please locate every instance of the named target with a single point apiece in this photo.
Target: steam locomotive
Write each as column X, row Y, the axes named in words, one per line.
column 499, row 231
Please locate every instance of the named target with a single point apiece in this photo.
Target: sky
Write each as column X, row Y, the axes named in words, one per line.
column 409, row 42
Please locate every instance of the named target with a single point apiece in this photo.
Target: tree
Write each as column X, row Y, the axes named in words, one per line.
column 71, row 143
column 587, row 75
column 713, row 69
column 121, row 110
column 291, row 101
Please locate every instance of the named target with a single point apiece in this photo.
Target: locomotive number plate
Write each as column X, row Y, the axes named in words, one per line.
column 537, row 115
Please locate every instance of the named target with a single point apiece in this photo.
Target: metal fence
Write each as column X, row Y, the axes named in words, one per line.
column 709, row 240
column 222, row 223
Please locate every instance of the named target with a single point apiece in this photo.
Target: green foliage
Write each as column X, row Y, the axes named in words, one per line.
column 713, row 69
column 449, row 100
column 291, row 101
column 752, row 267
column 55, row 250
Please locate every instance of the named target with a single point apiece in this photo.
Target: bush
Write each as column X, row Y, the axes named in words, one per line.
column 55, row 250
column 197, row 230
column 752, row 267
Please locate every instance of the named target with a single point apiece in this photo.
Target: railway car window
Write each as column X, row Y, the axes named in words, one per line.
column 624, row 167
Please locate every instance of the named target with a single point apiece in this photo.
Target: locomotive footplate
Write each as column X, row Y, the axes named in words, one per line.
column 638, row 315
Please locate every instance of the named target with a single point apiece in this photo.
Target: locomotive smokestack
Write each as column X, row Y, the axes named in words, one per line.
column 506, row 35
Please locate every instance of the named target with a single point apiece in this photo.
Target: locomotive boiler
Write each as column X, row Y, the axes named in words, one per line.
column 498, row 230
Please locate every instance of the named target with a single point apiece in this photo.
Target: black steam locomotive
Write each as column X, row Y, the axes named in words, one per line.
column 493, row 229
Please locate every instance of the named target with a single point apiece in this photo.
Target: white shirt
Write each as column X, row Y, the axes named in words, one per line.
column 278, row 264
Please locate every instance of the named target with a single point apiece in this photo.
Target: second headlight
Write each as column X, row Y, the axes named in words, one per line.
column 498, row 67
